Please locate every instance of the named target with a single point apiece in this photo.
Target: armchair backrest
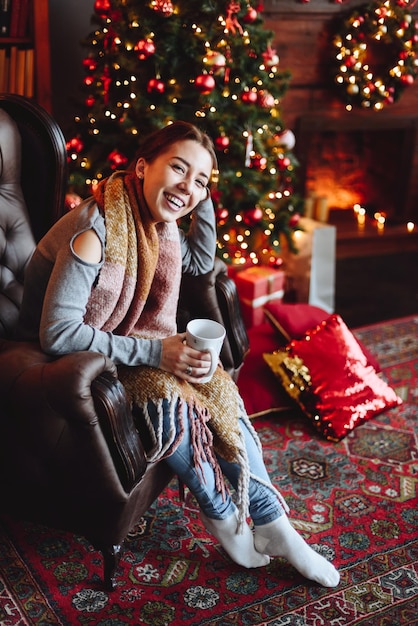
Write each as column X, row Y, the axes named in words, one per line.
column 32, row 184
column 43, row 161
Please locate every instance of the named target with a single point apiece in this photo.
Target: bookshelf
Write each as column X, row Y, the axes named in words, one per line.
column 24, row 50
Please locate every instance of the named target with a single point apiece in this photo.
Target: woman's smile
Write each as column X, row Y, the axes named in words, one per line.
column 175, row 202
column 176, row 181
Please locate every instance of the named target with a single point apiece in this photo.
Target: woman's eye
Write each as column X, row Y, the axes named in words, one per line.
column 200, row 183
column 178, row 168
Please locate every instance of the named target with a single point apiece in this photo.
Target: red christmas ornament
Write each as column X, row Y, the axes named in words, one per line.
column 270, row 57
column 286, row 139
column 222, row 214
column 231, row 20
column 89, row 101
column 258, row 162
column 72, row 200
column 155, row 86
column 249, row 97
column 283, row 163
column 251, row 15
column 294, row 219
column 89, row 64
column 74, row 145
column 117, row 160
column 265, row 99
column 102, row 8
column 252, row 216
column 88, row 80
column 205, row 83
column 222, row 142
column 276, row 262
column 106, row 81
column 163, row 7
column 407, row 79
column 216, row 197
column 145, row 48
column 215, row 60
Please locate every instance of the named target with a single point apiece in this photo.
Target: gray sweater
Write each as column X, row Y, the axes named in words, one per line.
column 58, row 285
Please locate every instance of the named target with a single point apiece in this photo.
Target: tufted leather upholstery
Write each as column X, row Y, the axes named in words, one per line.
column 16, row 238
column 70, row 455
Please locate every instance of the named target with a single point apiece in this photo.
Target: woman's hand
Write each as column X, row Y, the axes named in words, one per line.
column 185, row 362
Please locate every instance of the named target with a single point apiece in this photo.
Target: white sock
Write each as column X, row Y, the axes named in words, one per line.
column 240, row 547
column 279, row 538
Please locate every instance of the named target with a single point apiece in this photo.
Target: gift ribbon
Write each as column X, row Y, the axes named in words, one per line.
column 257, row 302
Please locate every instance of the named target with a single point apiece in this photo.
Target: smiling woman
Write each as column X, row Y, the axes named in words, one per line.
column 176, row 180
column 106, row 278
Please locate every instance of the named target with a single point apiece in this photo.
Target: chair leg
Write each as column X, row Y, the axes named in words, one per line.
column 111, row 558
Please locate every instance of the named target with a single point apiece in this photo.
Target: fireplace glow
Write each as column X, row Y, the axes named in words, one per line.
column 358, row 160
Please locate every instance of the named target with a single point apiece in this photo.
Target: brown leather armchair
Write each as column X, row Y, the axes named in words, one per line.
column 70, row 455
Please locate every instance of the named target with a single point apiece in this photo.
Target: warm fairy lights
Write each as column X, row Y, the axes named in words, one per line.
column 392, row 27
column 379, row 219
column 360, row 213
column 228, row 65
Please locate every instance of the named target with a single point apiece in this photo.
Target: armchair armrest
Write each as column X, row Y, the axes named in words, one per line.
column 71, row 395
column 115, row 417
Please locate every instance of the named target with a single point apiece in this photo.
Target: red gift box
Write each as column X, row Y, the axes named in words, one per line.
column 256, row 286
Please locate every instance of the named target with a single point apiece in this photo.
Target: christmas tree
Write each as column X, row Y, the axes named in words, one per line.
column 212, row 63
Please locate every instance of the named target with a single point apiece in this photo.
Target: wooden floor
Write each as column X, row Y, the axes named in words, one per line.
column 363, row 241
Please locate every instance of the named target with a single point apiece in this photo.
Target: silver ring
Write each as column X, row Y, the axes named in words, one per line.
column 189, row 370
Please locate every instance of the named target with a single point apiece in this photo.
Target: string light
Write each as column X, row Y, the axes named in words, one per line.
column 123, row 96
column 353, row 77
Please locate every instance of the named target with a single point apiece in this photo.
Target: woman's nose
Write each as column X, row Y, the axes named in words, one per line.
column 186, row 185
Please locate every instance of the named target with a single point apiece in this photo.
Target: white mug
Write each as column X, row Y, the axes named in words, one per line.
column 206, row 336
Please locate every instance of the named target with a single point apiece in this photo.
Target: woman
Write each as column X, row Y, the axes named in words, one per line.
column 106, row 278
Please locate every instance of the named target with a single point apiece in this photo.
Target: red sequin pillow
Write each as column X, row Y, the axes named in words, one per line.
column 330, row 378
column 293, row 321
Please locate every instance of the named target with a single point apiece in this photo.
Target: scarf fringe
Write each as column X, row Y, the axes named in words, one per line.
column 179, row 409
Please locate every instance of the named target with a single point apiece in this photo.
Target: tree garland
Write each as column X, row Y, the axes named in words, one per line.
column 366, row 29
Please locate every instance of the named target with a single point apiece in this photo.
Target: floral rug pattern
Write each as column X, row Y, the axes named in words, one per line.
column 354, row 501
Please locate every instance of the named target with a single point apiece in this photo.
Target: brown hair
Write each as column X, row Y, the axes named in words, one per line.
column 157, row 142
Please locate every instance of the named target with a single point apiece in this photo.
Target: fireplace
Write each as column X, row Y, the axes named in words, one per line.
column 368, row 159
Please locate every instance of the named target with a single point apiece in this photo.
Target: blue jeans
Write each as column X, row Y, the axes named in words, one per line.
column 264, row 505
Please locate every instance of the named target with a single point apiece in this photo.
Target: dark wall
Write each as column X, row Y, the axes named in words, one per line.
column 69, row 24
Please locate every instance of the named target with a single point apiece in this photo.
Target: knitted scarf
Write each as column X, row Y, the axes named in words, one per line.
column 135, row 264
column 137, row 294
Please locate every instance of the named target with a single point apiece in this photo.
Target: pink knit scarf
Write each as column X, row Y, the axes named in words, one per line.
column 138, row 286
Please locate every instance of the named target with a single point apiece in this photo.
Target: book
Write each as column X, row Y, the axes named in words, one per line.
column 20, row 71
column 14, row 18
column 24, row 21
column 29, row 73
column 12, row 69
column 19, row 18
column 4, row 70
column 5, row 14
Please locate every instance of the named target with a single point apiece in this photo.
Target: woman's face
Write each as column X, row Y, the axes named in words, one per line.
column 176, row 181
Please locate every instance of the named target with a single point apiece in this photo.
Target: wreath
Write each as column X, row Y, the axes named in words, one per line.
column 375, row 54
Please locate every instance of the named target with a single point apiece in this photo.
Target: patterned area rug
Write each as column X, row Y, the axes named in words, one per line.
column 354, row 501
